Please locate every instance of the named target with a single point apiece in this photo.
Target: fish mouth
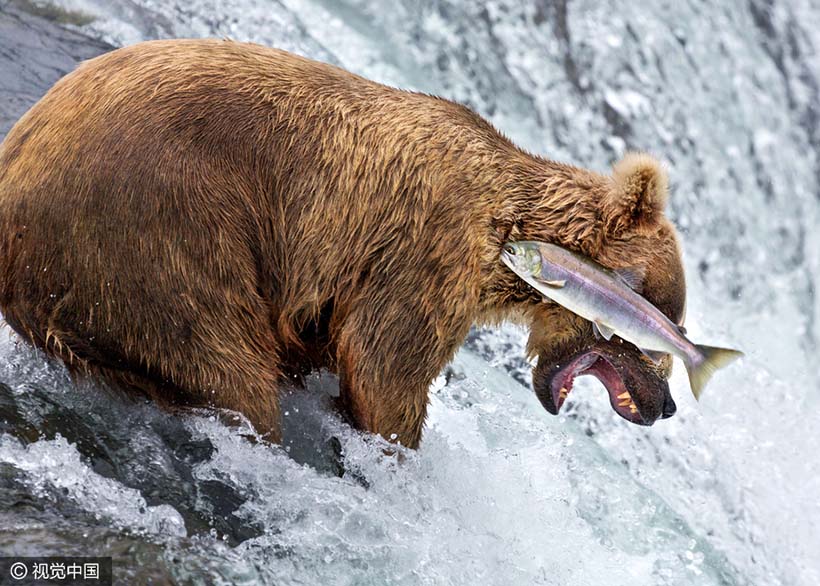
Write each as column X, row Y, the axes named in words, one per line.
column 637, row 392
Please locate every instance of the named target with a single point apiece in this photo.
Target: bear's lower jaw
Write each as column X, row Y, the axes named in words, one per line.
column 635, row 393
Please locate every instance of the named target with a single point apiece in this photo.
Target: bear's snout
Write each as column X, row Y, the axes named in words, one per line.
column 638, row 392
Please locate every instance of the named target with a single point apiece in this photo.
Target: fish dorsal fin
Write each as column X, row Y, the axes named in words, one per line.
column 656, row 357
column 681, row 329
column 553, row 284
column 602, row 330
column 632, row 276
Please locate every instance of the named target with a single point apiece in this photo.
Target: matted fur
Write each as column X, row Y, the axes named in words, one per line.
column 199, row 219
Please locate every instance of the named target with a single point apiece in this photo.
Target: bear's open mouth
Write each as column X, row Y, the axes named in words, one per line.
column 601, row 368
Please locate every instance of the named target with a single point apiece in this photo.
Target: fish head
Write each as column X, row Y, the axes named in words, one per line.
column 523, row 258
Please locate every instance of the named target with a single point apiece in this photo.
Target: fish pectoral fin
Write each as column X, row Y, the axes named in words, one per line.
column 655, row 356
column 553, row 284
column 602, row 330
column 632, row 276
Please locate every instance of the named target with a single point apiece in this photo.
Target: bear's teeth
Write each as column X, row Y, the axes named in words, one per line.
column 624, row 395
column 624, row 403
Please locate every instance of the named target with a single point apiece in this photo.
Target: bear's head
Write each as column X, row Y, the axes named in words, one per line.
column 619, row 221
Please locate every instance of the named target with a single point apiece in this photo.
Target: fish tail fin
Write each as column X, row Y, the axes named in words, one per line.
column 712, row 359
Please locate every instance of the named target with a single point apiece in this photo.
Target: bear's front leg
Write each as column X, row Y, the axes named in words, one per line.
column 387, row 358
column 394, row 411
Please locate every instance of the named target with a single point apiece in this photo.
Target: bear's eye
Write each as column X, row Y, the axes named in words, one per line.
column 509, row 249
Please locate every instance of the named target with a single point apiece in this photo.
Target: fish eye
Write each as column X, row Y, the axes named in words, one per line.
column 509, row 249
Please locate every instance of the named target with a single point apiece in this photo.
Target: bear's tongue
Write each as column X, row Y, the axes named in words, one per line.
column 599, row 367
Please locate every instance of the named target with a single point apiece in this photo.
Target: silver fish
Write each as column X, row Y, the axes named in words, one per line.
column 610, row 301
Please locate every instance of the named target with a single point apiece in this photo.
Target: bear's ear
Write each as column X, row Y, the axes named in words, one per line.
column 637, row 195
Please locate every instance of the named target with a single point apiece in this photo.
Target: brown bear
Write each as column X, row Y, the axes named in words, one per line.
column 200, row 220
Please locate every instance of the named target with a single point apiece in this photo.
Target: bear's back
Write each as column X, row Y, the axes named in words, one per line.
column 142, row 127
column 165, row 101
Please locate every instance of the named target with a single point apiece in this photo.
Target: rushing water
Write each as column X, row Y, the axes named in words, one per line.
column 501, row 492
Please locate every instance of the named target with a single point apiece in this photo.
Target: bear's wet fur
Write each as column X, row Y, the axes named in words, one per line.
column 200, row 220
